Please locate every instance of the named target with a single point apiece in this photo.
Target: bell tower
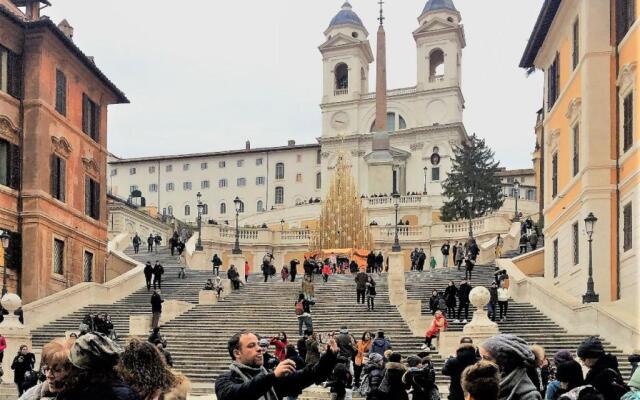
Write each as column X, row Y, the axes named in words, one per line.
column 439, row 40
column 346, row 56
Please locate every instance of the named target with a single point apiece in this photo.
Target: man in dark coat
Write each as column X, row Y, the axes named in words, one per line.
column 379, row 262
column 453, row 367
column 148, row 273
column 150, row 241
column 158, row 270
column 136, row 243
column 603, row 373
column 216, row 262
column 302, row 344
column 463, row 300
column 248, row 379
column 493, row 301
column 156, row 309
column 361, row 286
column 346, row 345
column 293, row 269
column 445, row 254
column 371, row 262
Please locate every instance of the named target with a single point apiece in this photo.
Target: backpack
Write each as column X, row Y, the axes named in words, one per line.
column 300, row 307
column 442, row 305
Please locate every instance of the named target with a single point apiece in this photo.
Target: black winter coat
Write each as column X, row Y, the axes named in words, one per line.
column 606, row 378
column 230, row 386
column 156, row 303
column 450, row 295
column 493, row 292
column 463, row 293
column 374, row 374
column 116, row 390
column 453, row 368
column 21, row 364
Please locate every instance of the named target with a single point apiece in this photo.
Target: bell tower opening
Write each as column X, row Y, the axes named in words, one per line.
column 436, row 65
column 342, row 79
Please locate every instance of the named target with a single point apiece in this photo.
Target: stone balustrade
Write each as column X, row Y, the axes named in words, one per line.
column 388, row 201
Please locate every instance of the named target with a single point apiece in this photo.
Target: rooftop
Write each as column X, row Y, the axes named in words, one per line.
column 515, row 172
column 346, row 16
column 539, row 33
column 213, row 154
column 434, row 5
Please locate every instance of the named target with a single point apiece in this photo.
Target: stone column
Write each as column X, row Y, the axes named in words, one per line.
column 481, row 327
column 15, row 333
column 396, row 281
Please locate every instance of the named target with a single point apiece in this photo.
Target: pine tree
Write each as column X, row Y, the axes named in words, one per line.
column 473, row 172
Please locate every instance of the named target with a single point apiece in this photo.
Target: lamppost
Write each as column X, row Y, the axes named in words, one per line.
column 590, row 296
column 396, row 243
column 236, row 247
column 516, row 194
column 470, row 209
column 4, row 237
column 424, row 191
column 200, row 209
column 282, row 225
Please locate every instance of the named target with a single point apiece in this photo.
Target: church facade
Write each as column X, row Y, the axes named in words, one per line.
column 419, row 129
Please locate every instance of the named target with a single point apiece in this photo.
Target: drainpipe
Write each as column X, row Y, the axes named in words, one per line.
column 614, row 35
column 20, row 202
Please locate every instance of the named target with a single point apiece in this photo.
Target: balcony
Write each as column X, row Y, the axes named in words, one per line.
column 436, row 78
column 340, row 92
column 388, row 201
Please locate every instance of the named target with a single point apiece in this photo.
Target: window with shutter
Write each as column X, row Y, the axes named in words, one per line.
column 5, row 162
column 625, row 17
column 14, row 75
column 90, row 118
column 58, row 256
column 58, row 177
column 88, row 266
column 61, row 92
column 553, row 82
column 92, row 198
column 576, row 43
column 554, row 175
column 576, row 149
column 627, row 227
column 627, row 124
column 555, row 258
column 576, row 243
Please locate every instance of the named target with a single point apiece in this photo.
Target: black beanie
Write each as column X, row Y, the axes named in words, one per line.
column 591, row 347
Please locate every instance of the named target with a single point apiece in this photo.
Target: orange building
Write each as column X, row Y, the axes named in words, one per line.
column 53, row 153
column 588, row 142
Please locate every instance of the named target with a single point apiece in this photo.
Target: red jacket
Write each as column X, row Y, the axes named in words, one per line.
column 438, row 323
column 326, row 270
column 281, row 348
column 3, row 344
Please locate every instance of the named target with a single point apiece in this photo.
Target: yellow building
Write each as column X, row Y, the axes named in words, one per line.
column 589, row 141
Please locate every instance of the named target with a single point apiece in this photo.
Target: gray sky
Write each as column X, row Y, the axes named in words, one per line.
column 209, row 75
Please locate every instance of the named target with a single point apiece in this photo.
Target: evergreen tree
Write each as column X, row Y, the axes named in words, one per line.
column 474, row 172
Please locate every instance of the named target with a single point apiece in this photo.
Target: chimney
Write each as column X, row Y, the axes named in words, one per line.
column 247, row 145
column 291, row 143
column 32, row 11
column 66, row 28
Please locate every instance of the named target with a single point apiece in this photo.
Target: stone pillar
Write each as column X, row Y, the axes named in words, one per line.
column 397, row 290
column 200, row 262
column 15, row 333
column 238, row 260
column 481, row 327
column 207, row 297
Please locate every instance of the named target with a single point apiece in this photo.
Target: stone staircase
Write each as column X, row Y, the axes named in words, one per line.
column 198, row 338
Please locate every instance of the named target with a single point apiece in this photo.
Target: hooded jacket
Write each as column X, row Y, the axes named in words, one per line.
column 453, row 367
column 518, row 386
column 373, row 371
column 380, row 345
column 606, row 378
column 392, row 386
column 361, row 281
column 634, row 384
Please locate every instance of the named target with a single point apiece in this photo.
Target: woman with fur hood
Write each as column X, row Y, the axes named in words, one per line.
column 392, row 387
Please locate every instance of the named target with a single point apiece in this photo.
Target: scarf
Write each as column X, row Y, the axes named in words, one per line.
column 514, row 384
column 247, row 373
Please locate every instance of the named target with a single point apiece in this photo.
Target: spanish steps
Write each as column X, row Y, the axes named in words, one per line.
column 197, row 339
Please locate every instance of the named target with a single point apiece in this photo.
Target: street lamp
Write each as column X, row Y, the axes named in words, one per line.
column 590, row 296
column 470, row 208
column 516, row 194
column 396, row 243
column 424, row 191
column 200, row 209
column 4, row 237
column 282, row 225
column 236, row 247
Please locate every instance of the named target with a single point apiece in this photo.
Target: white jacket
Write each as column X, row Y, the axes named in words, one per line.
column 503, row 294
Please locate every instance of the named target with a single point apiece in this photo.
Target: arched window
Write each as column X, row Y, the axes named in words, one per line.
column 170, row 210
column 279, row 195
column 393, row 120
column 342, row 78
column 187, row 210
column 260, row 206
column 436, row 66
column 223, row 208
column 205, row 209
column 280, row 170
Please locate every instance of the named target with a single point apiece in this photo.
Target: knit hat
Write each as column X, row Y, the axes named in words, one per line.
column 510, row 346
column 413, row 361
column 562, row 356
column 344, row 330
column 570, row 372
column 375, row 358
column 94, row 350
column 591, row 347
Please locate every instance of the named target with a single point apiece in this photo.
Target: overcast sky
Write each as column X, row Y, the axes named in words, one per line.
column 207, row 75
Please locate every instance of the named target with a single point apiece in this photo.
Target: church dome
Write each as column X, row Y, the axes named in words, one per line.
column 435, row 5
column 346, row 16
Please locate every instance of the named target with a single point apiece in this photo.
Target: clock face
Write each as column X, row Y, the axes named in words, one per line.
column 340, row 121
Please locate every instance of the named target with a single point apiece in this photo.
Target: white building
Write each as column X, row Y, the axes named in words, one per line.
column 262, row 178
column 424, row 122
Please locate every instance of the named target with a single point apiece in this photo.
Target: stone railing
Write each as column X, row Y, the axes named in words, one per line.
column 385, row 233
column 304, row 234
column 388, row 201
column 340, row 92
column 463, row 226
column 394, row 92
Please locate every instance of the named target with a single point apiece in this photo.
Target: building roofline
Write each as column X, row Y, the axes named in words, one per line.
column 539, row 33
column 511, row 172
column 47, row 23
column 213, row 154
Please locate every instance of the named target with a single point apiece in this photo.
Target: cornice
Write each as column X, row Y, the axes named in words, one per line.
column 61, row 145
